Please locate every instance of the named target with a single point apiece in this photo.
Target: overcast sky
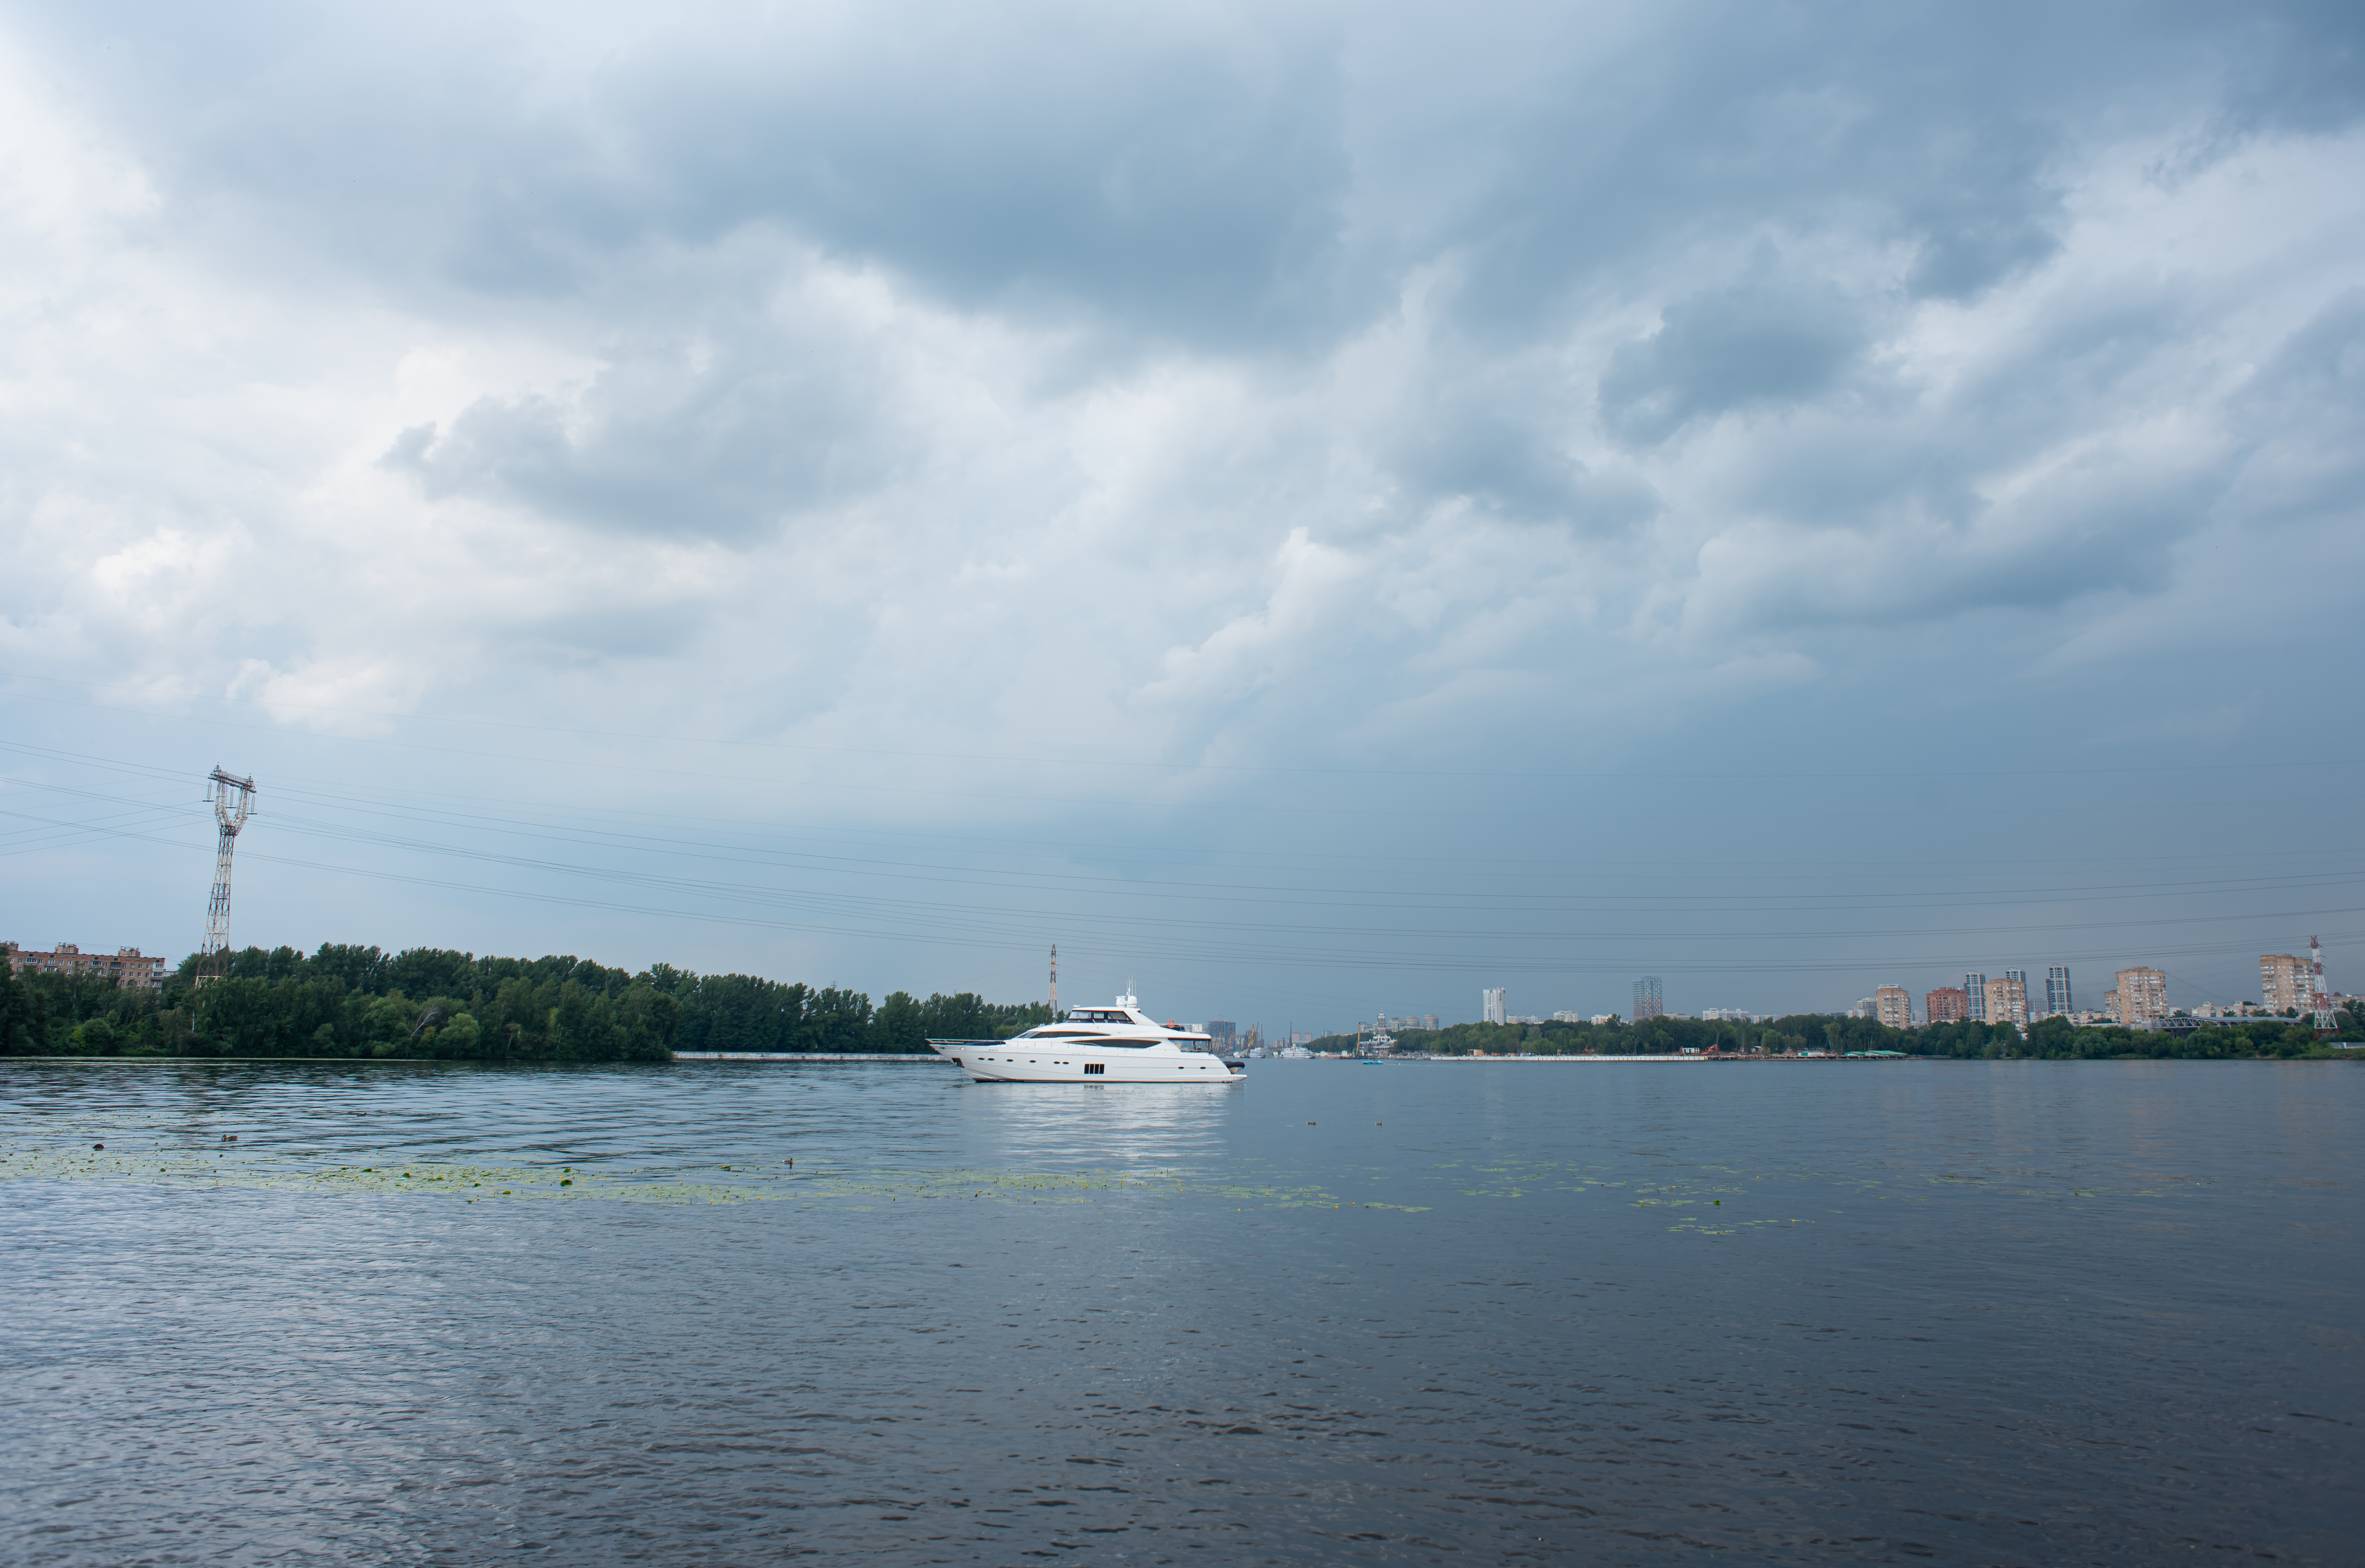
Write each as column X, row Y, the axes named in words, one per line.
column 1314, row 509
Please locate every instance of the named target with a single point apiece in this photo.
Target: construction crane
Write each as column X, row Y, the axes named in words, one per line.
column 233, row 802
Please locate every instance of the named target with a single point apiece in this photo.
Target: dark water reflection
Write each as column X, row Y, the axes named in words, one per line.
column 1975, row 1313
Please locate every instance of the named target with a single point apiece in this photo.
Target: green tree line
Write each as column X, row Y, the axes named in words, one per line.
column 2048, row 1038
column 357, row 1001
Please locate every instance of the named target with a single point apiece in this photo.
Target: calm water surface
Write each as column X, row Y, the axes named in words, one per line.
column 1978, row 1313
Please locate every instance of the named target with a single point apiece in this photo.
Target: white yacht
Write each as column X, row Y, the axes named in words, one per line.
column 1119, row 1044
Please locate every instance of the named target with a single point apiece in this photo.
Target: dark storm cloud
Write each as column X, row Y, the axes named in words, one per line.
column 1770, row 187
column 1190, row 173
column 1179, row 178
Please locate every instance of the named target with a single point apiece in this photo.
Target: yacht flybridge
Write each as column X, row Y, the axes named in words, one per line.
column 1096, row 1044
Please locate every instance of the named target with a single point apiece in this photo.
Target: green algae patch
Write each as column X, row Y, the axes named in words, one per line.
column 1711, row 1200
column 259, row 1169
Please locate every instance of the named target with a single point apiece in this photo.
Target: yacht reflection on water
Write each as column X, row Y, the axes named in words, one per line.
column 1150, row 1125
column 1110, row 1045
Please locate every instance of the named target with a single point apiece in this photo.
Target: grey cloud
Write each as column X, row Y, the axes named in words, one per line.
column 2303, row 415
column 1760, row 342
column 1991, row 211
column 2297, row 65
column 1509, row 461
column 728, row 444
column 1252, row 178
column 1175, row 176
column 611, row 632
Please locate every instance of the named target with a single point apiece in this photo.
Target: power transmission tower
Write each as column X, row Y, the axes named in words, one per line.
column 233, row 800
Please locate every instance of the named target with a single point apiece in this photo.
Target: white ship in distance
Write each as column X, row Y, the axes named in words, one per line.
column 1117, row 1044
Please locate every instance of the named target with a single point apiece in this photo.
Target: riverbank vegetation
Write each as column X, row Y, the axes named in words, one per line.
column 2048, row 1038
column 355, row 1002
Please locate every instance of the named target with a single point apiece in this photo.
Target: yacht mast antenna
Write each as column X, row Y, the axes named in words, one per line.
column 233, row 802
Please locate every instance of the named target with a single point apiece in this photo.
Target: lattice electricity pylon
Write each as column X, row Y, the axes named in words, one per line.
column 233, row 800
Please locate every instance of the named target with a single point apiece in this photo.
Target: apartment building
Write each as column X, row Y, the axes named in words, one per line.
column 2007, row 999
column 2140, row 998
column 2056, row 993
column 126, row 967
column 2286, row 981
column 1895, row 1005
column 1974, row 990
column 1947, row 1004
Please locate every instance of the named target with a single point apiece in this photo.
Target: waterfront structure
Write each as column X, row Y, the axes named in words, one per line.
column 1490, row 1005
column 1947, row 1004
column 1895, row 1005
column 126, row 967
column 2056, row 993
column 1222, row 1031
column 2007, row 999
column 1975, row 988
column 2140, row 997
column 2286, row 983
column 1648, row 1002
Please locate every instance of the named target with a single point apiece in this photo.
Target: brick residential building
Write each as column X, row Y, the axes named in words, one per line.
column 1895, row 1005
column 126, row 967
column 1947, row 1004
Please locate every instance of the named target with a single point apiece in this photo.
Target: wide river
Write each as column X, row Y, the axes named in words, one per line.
column 1451, row 1312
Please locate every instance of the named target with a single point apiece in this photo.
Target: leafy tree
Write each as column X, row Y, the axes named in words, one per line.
column 24, row 1017
column 896, row 1026
column 354, row 1001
